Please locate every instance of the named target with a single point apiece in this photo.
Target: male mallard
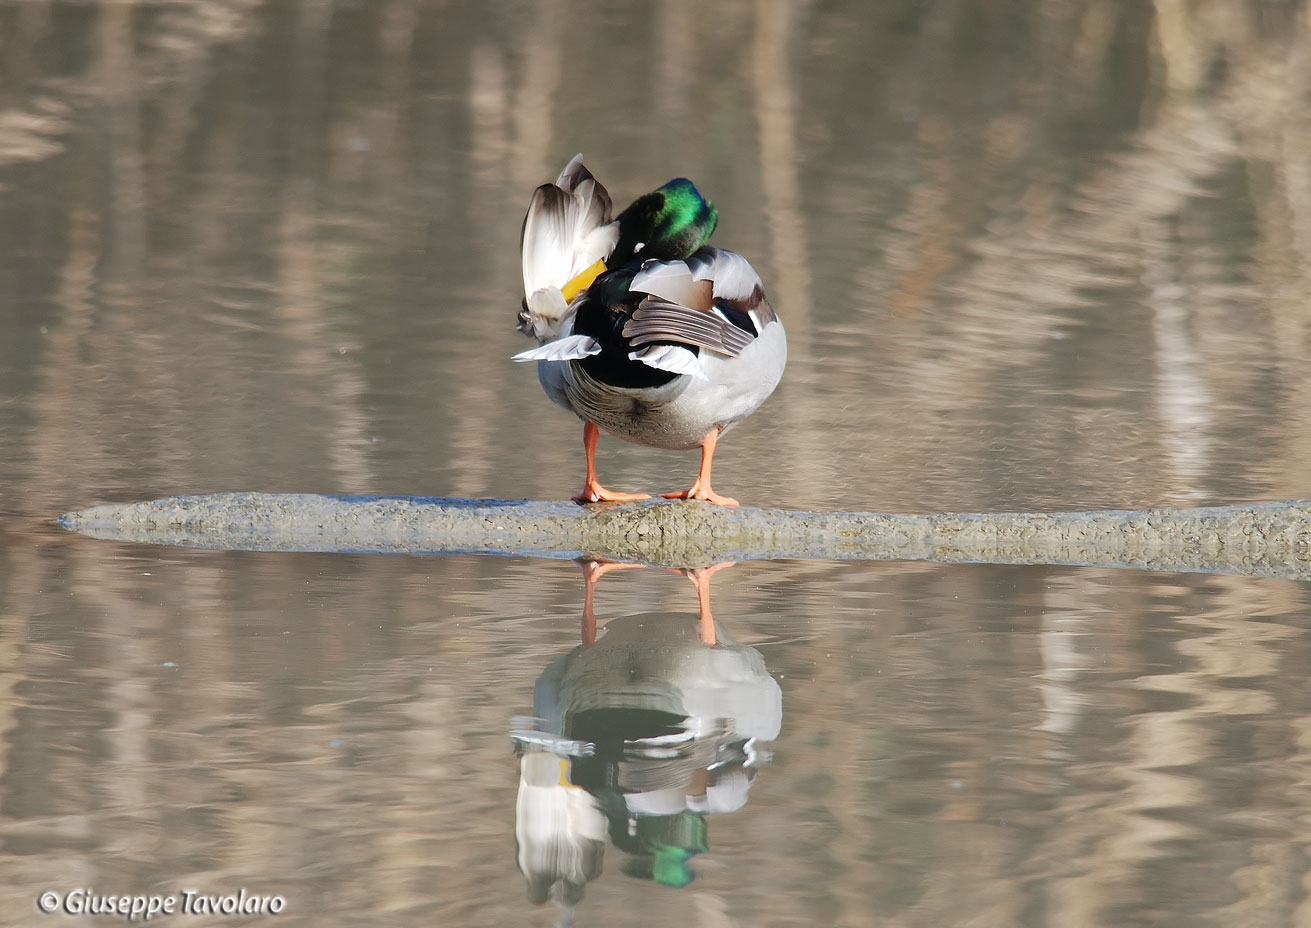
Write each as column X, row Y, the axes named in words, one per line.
column 645, row 331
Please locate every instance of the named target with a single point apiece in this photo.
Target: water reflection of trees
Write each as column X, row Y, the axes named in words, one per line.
column 963, row 206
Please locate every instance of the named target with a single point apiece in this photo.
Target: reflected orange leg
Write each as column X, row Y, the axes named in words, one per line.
column 700, row 489
column 592, row 572
column 700, row 578
column 593, row 492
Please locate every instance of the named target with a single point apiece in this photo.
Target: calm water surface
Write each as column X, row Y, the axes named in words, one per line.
column 1031, row 256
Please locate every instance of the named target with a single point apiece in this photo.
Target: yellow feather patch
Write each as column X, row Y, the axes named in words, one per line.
column 583, row 280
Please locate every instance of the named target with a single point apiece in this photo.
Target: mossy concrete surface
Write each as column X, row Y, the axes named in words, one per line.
column 1269, row 539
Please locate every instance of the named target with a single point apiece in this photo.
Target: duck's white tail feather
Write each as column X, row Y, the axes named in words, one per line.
column 543, row 313
column 569, row 348
column 672, row 358
column 567, row 229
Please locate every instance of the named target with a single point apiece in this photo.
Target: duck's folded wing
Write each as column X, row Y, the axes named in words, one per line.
column 714, row 300
column 730, row 274
column 657, row 320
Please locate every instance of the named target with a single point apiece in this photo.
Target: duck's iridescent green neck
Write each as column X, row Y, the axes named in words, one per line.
column 669, row 223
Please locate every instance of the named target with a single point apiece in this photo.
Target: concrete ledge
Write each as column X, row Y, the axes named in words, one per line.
column 1266, row 539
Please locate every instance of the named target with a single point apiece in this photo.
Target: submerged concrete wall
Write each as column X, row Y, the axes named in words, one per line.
column 1268, row 539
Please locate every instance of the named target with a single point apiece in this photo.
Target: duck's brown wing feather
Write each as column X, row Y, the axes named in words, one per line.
column 657, row 320
column 714, row 300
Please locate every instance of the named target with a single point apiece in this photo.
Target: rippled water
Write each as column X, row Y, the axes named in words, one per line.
column 1030, row 256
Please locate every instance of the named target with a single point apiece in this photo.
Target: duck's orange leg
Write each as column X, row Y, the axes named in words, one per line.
column 700, row 578
column 592, row 572
column 700, row 489
column 593, row 492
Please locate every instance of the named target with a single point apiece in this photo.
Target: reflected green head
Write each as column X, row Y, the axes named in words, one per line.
column 670, row 866
column 668, row 223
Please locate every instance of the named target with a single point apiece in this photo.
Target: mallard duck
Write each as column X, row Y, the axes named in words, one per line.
column 644, row 330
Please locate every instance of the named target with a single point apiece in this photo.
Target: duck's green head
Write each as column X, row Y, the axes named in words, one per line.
column 669, row 223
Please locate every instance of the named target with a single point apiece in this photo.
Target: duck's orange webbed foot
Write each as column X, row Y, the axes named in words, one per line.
column 701, row 488
column 697, row 491
column 593, row 492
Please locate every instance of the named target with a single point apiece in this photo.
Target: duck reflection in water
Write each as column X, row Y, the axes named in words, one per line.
column 639, row 734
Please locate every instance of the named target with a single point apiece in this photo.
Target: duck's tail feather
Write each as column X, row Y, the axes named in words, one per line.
column 569, row 348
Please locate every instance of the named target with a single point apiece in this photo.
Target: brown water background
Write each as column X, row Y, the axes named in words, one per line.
column 1030, row 255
